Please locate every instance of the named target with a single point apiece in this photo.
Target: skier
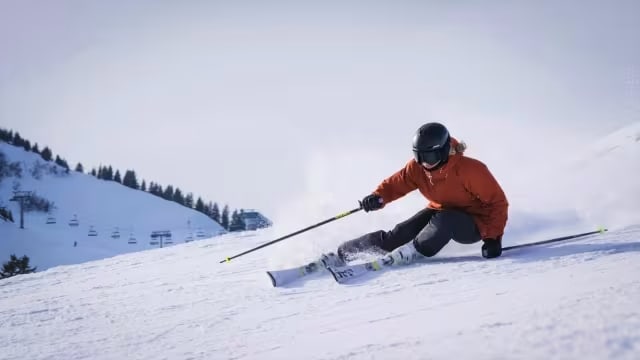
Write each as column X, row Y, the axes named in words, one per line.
column 466, row 203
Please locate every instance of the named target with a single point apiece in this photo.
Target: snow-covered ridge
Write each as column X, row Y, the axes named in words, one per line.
column 111, row 219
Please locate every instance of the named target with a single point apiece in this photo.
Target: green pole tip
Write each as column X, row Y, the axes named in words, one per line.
column 602, row 229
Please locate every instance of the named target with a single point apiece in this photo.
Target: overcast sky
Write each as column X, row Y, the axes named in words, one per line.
column 259, row 104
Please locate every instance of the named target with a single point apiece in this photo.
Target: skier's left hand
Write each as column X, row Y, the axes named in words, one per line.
column 491, row 248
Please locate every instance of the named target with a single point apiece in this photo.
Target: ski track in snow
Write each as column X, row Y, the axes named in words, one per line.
column 577, row 299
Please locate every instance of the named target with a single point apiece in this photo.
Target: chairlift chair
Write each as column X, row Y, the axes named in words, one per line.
column 132, row 240
column 74, row 222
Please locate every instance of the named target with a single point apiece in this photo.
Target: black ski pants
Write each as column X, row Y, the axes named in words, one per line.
column 430, row 230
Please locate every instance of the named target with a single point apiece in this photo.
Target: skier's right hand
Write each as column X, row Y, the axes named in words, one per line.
column 371, row 202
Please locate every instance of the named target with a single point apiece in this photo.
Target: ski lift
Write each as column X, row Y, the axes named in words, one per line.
column 189, row 238
column 132, row 240
column 160, row 238
column 115, row 234
column 51, row 220
column 74, row 222
column 201, row 234
column 92, row 231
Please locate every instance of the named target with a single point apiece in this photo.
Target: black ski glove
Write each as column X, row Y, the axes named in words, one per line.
column 491, row 248
column 371, row 202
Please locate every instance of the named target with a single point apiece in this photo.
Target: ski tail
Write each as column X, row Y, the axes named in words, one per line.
column 285, row 276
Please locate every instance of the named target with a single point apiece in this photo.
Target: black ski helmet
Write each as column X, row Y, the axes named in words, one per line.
column 431, row 144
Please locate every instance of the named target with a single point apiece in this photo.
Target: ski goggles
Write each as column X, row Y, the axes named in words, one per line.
column 431, row 157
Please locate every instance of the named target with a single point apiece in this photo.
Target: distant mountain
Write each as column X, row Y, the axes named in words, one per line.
column 89, row 218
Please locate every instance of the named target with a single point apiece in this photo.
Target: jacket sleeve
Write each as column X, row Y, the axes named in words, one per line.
column 485, row 188
column 398, row 184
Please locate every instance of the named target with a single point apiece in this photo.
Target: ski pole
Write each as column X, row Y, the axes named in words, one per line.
column 554, row 240
column 293, row 234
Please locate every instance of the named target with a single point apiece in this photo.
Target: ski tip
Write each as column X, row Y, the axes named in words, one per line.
column 273, row 280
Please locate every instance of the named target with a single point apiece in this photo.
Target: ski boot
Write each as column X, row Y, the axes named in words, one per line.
column 331, row 260
column 403, row 255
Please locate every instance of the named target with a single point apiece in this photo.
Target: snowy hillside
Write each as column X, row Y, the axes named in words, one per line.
column 119, row 219
column 574, row 300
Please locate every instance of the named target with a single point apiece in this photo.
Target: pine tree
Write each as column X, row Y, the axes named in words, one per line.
column 199, row 205
column 215, row 213
column 35, row 148
column 80, row 168
column 5, row 214
column 188, row 200
column 5, row 136
column 17, row 140
column 94, row 172
column 117, row 178
column 46, row 154
column 224, row 219
column 16, row 266
column 109, row 174
column 26, row 145
column 209, row 209
column 143, row 187
column 235, row 222
column 64, row 164
column 130, row 179
column 178, row 197
column 159, row 191
column 240, row 224
column 168, row 193
column 206, row 210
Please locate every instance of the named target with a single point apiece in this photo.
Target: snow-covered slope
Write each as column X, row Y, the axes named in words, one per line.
column 576, row 300
column 106, row 207
column 572, row 300
column 602, row 182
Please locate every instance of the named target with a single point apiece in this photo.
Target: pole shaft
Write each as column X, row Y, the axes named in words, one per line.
column 553, row 240
column 293, row 234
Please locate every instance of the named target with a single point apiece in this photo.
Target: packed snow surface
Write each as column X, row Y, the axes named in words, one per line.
column 572, row 300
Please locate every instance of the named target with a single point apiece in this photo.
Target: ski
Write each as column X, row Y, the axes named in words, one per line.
column 286, row 276
column 345, row 273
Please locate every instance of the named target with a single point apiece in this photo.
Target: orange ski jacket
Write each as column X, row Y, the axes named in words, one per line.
column 463, row 184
